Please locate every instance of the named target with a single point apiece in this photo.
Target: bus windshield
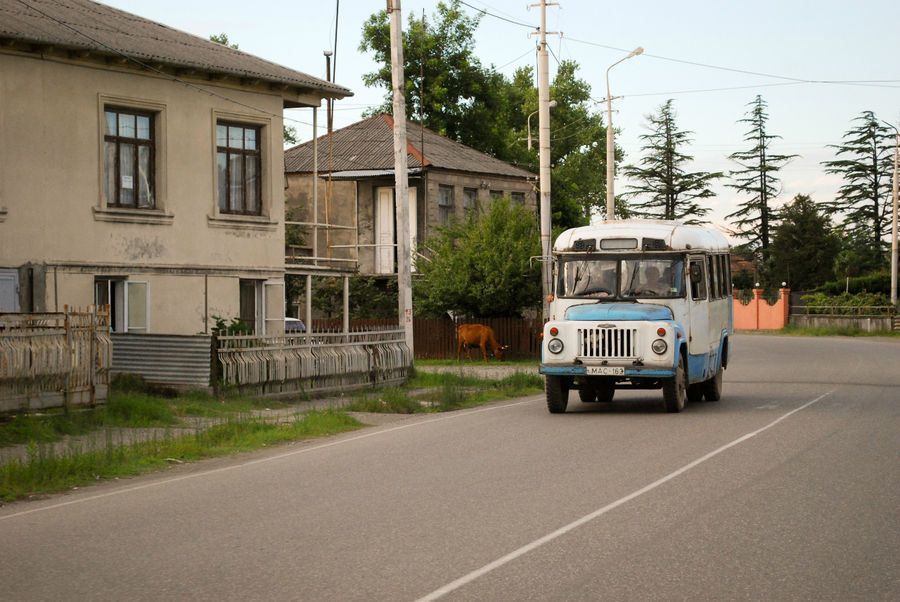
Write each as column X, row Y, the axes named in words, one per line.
column 617, row 278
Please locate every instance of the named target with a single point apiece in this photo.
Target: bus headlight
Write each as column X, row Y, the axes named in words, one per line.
column 555, row 346
column 659, row 346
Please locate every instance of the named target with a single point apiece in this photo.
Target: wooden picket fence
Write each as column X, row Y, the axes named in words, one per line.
column 57, row 359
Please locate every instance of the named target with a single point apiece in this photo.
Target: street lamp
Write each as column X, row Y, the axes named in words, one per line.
column 610, row 152
column 894, row 216
column 551, row 104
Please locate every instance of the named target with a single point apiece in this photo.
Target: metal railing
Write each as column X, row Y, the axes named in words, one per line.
column 844, row 310
column 312, row 363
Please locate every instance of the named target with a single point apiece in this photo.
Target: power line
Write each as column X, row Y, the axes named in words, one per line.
column 743, row 71
column 490, row 14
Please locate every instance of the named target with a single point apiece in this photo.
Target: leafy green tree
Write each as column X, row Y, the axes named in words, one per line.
column 756, row 178
column 865, row 161
column 482, row 266
column 445, row 82
column 664, row 190
column 858, row 257
column 222, row 38
column 370, row 298
column 577, row 150
column 459, row 98
column 804, row 245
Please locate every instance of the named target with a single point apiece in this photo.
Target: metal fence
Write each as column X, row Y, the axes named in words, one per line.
column 312, row 363
column 178, row 361
column 58, row 359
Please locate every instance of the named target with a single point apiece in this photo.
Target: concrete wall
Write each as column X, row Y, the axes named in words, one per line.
column 865, row 323
column 54, row 221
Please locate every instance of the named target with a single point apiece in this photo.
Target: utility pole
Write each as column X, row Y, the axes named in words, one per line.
column 401, row 183
column 895, row 186
column 544, row 151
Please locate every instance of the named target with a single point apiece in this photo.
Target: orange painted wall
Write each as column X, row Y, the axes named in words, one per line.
column 759, row 315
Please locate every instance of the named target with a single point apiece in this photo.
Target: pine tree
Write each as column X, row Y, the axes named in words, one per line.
column 756, row 217
column 804, row 245
column 864, row 200
column 664, row 189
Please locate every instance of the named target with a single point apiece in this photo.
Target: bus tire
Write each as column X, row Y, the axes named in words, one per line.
column 557, row 393
column 712, row 388
column 605, row 394
column 675, row 389
column 587, row 395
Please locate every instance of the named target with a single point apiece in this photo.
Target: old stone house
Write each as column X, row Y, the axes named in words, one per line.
column 142, row 167
column 349, row 225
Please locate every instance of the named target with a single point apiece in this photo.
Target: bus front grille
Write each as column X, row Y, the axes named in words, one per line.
column 607, row 343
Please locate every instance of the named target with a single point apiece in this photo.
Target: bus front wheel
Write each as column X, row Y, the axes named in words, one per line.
column 675, row 389
column 557, row 393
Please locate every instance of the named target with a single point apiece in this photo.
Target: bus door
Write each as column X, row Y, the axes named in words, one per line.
column 701, row 340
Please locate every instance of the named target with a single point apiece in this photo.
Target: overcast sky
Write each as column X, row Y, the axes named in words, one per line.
column 712, row 58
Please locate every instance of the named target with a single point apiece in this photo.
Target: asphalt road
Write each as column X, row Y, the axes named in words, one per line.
column 787, row 489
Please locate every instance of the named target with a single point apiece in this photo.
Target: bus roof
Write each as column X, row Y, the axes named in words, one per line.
column 641, row 235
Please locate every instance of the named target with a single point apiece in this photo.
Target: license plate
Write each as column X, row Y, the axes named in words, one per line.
column 605, row 371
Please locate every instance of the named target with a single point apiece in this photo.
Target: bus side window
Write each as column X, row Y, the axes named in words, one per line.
column 698, row 279
column 713, row 271
column 726, row 266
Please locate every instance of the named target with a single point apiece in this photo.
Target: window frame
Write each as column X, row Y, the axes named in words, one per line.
column 114, row 198
column 128, row 300
column 102, row 209
column 470, row 198
column 699, row 290
column 446, row 203
column 243, row 153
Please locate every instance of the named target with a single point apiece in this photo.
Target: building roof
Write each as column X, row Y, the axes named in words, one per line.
column 368, row 145
column 97, row 29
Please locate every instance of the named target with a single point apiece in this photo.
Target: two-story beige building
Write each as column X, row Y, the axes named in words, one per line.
column 142, row 167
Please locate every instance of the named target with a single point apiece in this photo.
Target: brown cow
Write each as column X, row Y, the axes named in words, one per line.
column 478, row 335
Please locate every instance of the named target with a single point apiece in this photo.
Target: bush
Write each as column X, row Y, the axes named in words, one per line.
column 873, row 283
column 848, row 304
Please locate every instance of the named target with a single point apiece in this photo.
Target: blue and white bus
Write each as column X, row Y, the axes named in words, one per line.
column 638, row 304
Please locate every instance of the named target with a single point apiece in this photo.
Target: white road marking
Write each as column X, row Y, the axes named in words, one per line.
column 466, row 579
column 305, row 450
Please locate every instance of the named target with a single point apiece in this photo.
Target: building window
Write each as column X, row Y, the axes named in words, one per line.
column 496, row 194
column 445, row 203
column 130, row 153
column 518, row 197
column 128, row 301
column 239, row 167
column 470, row 199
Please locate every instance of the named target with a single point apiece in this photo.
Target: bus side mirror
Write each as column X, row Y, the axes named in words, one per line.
column 696, row 273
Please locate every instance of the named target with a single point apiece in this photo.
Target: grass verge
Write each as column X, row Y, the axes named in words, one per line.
column 142, row 429
column 46, row 469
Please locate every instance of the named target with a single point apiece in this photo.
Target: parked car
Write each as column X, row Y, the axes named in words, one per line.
column 294, row 326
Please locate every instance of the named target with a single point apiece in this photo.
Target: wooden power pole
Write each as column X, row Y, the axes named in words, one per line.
column 401, row 183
